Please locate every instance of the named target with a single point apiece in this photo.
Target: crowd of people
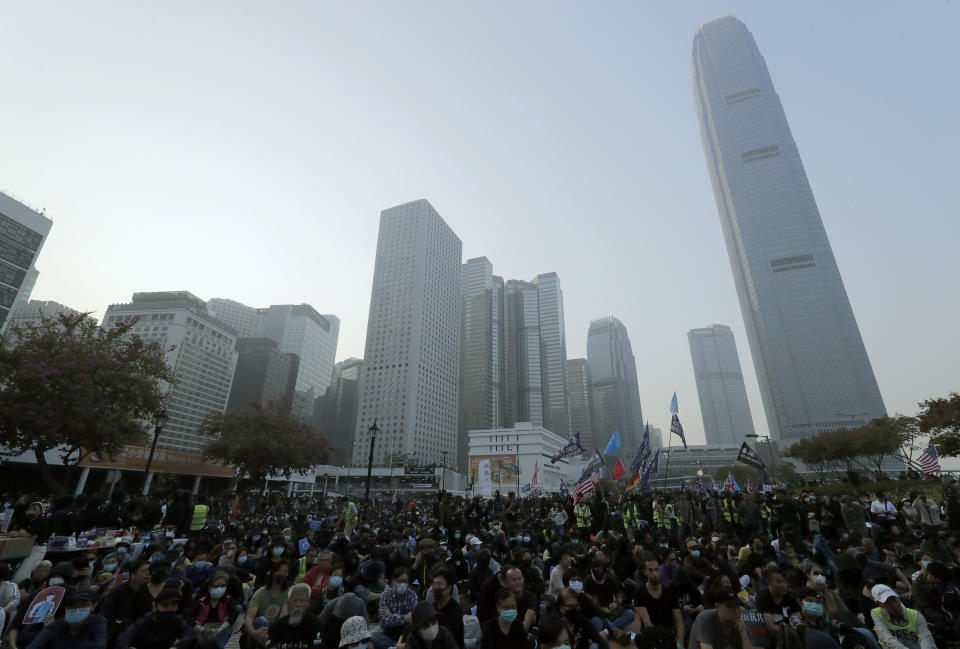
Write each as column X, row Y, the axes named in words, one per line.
column 777, row 570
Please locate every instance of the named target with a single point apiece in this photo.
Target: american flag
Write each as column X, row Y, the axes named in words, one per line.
column 728, row 483
column 585, row 488
column 930, row 460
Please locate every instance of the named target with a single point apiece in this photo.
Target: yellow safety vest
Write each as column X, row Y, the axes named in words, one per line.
column 661, row 518
column 630, row 515
column 199, row 517
column 906, row 634
column 727, row 513
column 348, row 514
column 765, row 512
column 583, row 515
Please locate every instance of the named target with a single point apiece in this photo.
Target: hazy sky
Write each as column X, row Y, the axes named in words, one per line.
column 245, row 150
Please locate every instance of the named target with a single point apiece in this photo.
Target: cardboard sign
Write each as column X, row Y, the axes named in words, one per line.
column 45, row 603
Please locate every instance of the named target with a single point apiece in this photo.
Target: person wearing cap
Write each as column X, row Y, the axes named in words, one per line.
column 720, row 627
column 897, row 626
column 298, row 629
column 162, row 628
column 79, row 628
column 355, row 633
column 424, row 631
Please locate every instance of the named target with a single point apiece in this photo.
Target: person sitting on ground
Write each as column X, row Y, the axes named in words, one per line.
column 298, row 629
column 78, row 629
column 161, row 629
column 897, row 626
column 449, row 611
column 397, row 604
column 505, row 631
column 424, row 631
column 355, row 634
column 720, row 627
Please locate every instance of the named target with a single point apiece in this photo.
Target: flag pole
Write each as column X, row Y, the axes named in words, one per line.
column 666, row 473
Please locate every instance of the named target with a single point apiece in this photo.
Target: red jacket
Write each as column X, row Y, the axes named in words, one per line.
column 315, row 580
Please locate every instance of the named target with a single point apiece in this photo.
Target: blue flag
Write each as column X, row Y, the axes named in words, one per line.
column 643, row 453
column 652, row 468
column 613, row 444
column 673, row 404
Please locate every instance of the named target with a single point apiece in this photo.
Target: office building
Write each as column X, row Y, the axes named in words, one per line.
column 299, row 329
column 723, row 395
column 581, row 401
column 809, row 356
column 523, row 378
column 263, row 374
column 241, row 317
column 481, row 350
column 335, row 414
column 411, row 367
column 616, row 393
column 656, row 438
column 553, row 354
column 33, row 312
column 201, row 352
column 22, row 233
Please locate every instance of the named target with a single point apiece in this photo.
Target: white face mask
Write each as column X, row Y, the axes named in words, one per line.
column 56, row 581
column 430, row 633
column 820, row 579
column 402, row 587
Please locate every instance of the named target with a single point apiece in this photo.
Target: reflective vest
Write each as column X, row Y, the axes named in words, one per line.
column 727, row 510
column 583, row 515
column 765, row 511
column 199, row 517
column 661, row 517
column 349, row 515
column 907, row 634
column 631, row 514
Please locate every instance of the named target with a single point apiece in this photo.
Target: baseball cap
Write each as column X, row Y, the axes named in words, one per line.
column 80, row 596
column 727, row 596
column 692, row 543
column 475, row 541
column 881, row 593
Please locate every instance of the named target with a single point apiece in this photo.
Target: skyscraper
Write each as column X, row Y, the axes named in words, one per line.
column 810, row 359
column 553, row 354
column 22, row 233
column 335, row 413
column 523, row 379
column 241, row 317
column 581, row 401
column 616, row 392
column 411, row 365
column 723, row 396
column 481, row 352
column 200, row 352
column 263, row 374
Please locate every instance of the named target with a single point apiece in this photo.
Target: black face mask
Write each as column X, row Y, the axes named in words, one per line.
column 157, row 576
column 166, row 616
column 437, row 594
column 279, row 579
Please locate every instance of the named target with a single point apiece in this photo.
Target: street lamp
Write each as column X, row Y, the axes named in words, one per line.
column 373, row 430
column 159, row 419
column 766, row 438
column 443, row 478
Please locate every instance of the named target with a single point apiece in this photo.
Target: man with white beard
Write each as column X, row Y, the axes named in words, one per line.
column 298, row 629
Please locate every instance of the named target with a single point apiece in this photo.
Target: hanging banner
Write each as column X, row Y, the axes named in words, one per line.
column 484, row 478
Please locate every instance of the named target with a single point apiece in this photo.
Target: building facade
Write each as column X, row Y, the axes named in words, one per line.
column 201, row 352
column 723, row 395
column 23, row 232
column 481, row 350
column 335, row 414
column 263, row 374
column 616, row 392
column 33, row 312
column 241, row 317
column 809, row 356
column 553, row 354
column 410, row 377
column 580, row 385
column 523, row 376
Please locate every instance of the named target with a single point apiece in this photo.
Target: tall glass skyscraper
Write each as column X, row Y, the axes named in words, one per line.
column 616, row 393
column 810, row 359
column 723, row 395
column 22, row 234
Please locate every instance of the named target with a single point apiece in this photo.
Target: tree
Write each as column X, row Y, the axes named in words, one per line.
column 940, row 418
column 68, row 385
column 810, row 453
column 879, row 439
column 267, row 441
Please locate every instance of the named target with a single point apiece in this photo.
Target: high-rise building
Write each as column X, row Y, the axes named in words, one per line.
column 553, row 354
column 580, row 385
column 411, row 366
column 22, row 234
column 523, row 378
column 241, row 317
column 481, row 352
column 299, row 329
column 656, row 438
column 810, row 358
column 201, row 352
column 335, row 415
column 723, row 395
column 263, row 374
column 616, row 392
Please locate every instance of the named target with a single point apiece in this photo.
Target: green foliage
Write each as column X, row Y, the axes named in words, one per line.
column 266, row 441
column 940, row 418
column 741, row 472
column 847, row 449
column 68, row 385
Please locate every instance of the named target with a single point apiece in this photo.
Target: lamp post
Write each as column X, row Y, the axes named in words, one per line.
column 766, row 438
column 373, row 430
column 443, row 478
column 159, row 419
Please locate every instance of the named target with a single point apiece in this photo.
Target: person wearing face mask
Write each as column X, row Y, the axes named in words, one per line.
column 161, row 629
column 269, row 562
column 584, row 629
column 79, row 629
column 334, row 587
column 201, row 568
column 424, row 631
column 318, row 577
column 448, row 609
column 397, row 604
column 265, row 606
column 505, row 631
column 215, row 611
column 298, row 629
column 833, row 605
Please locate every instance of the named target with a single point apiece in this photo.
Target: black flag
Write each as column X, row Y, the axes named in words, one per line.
column 749, row 456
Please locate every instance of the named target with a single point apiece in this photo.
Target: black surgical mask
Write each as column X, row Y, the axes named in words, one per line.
column 157, row 576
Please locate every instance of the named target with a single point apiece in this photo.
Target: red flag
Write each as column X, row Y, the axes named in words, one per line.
column 634, row 482
column 618, row 470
